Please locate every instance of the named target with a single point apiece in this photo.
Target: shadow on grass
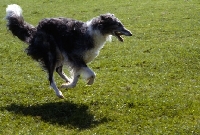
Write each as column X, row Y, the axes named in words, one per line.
column 61, row 113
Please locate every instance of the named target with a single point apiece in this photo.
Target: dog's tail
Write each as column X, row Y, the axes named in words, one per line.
column 17, row 25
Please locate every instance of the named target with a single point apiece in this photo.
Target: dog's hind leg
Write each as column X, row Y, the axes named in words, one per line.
column 53, row 85
column 62, row 74
column 50, row 66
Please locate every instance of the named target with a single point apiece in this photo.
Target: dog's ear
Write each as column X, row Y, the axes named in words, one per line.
column 102, row 20
column 103, row 17
column 107, row 16
column 100, row 24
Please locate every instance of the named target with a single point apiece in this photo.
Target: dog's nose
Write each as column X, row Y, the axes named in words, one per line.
column 129, row 33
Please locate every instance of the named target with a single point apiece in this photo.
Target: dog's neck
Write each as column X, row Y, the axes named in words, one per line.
column 98, row 38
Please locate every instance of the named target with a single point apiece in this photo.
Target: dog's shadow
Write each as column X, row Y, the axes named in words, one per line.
column 61, row 113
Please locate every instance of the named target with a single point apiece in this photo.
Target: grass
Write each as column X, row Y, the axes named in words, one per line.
column 150, row 84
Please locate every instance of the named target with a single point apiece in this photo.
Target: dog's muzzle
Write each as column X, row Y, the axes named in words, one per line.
column 121, row 32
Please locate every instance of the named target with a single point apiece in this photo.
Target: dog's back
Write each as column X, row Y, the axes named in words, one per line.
column 70, row 35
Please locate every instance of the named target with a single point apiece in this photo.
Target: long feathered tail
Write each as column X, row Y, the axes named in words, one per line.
column 16, row 24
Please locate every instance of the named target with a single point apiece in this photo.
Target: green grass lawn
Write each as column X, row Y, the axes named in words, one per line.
column 150, row 84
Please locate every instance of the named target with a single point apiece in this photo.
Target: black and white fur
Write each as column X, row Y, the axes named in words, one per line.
column 58, row 41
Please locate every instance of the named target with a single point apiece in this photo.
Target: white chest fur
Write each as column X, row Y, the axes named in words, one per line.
column 99, row 41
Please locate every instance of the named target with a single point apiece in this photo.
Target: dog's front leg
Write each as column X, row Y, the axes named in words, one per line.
column 88, row 75
column 75, row 77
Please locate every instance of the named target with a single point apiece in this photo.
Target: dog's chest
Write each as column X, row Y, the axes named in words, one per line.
column 92, row 53
column 98, row 40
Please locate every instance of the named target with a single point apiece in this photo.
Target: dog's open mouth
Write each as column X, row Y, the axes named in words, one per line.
column 118, row 35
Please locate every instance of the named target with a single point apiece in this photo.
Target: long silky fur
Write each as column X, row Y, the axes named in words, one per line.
column 55, row 41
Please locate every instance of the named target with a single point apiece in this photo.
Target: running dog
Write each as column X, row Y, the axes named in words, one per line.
column 58, row 41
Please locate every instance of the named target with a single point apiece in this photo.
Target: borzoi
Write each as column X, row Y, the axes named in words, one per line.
column 58, row 41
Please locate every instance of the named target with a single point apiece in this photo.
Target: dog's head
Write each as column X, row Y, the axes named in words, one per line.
column 109, row 24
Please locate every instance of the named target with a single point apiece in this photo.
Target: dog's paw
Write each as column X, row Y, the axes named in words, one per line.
column 90, row 80
column 60, row 95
